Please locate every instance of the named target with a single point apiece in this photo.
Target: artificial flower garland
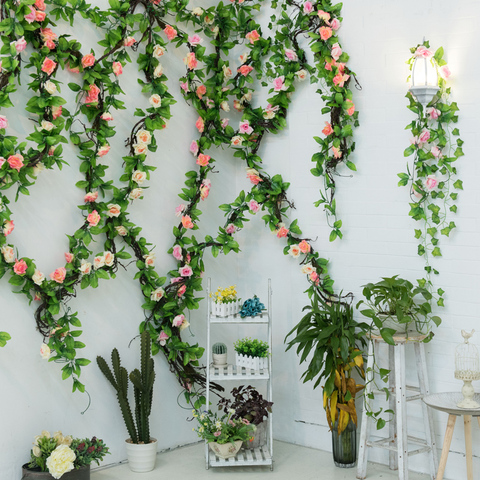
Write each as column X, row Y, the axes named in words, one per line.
column 432, row 176
column 164, row 303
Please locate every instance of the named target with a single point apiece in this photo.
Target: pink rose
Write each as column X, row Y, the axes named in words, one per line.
column 15, row 161
column 307, row 8
column 304, row 246
column 224, row 122
column 179, row 210
column 47, row 34
column 254, row 206
column 200, row 124
column 314, row 278
column 109, row 258
column 181, row 290
column 93, row 218
column 149, row 259
column 217, row 434
column 194, row 40
column 245, row 127
column 336, row 51
column 8, row 227
column 445, row 72
column 92, row 96
column 431, row 182
column 433, row 113
column 30, row 18
column 106, row 116
column 245, row 70
column 291, row 55
column 3, row 121
column 253, row 176
column 56, row 111
column 20, row 45
column 40, row 4
column 129, row 41
column 185, row 271
column 90, row 197
column 40, row 16
column 230, row 229
column 335, row 24
column 162, row 338
column 184, row 87
column 98, row 262
column 157, row 294
column 69, row 257
column 340, row 79
column 170, row 32
column 178, row 320
column 20, row 267
column 121, row 230
column 351, row 108
column 325, row 16
column 325, row 33
column 59, row 275
column 187, row 221
column 423, row 51
column 203, row 160
column 88, row 60
column 117, row 68
column 85, row 267
column 8, row 253
column 103, row 150
column 253, row 36
column 435, row 151
column 177, row 253
column 328, row 130
column 278, row 84
column 48, row 66
column 337, row 153
column 114, row 210
column 194, row 147
column 282, row 232
column 201, row 91
column 424, row 136
column 191, row 61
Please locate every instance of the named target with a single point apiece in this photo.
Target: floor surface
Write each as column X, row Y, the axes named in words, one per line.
column 291, row 462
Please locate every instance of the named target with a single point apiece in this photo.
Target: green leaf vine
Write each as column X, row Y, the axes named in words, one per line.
column 212, row 84
column 432, row 176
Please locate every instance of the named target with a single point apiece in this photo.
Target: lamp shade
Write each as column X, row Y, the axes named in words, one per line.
column 424, row 79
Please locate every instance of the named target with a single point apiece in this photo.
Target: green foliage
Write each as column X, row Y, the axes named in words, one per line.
column 252, row 348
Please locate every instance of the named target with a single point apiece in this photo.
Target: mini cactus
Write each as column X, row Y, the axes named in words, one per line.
column 219, row 348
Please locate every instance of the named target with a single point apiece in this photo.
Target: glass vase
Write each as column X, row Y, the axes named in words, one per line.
column 344, row 446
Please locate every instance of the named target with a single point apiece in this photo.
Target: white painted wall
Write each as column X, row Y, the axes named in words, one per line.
column 378, row 241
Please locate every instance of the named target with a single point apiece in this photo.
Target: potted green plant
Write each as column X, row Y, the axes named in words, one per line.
column 249, row 404
column 330, row 339
column 224, row 435
column 219, row 354
column 251, row 353
column 141, row 448
column 396, row 305
column 58, row 456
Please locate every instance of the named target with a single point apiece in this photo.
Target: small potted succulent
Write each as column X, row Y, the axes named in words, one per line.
column 251, row 353
column 395, row 305
column 224, row 435
column 249, row 404
column 224, row 302
column 58, row 456
column 219, row 354
column 141, row 448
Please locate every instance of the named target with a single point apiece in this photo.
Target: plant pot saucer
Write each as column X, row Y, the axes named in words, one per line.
column 219, row 364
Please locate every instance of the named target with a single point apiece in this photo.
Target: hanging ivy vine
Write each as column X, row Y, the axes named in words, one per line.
column 213, row 84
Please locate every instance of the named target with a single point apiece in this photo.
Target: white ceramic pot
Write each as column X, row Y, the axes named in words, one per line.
column 220, row 359
column 141, row 457
column 225, row 450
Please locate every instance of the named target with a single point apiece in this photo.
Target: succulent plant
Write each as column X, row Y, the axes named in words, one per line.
column 219, row 348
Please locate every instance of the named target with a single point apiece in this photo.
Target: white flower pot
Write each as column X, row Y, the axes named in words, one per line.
column 220, row 359
column 391, row 321
column 225, row 309
column 225, row 450
column 141, row 457
column 255, row 363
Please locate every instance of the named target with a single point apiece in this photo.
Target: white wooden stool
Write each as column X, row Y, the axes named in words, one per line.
column 398, row 440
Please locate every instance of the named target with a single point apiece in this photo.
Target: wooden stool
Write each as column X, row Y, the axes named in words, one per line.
column 398, row 440
column 447, row 402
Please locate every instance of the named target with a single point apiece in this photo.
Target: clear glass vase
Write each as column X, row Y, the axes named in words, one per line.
column 344, row 446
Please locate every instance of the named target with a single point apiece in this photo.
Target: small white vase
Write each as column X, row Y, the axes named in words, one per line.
column 141, row 457
column 225, row 450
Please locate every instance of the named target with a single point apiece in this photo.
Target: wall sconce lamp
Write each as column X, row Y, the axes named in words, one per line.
column 424, row 79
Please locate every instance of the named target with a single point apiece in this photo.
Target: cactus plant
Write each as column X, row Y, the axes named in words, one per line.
column 219, row 348
column 142, row 388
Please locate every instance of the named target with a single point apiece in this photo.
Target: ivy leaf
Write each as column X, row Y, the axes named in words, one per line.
column 436, row 252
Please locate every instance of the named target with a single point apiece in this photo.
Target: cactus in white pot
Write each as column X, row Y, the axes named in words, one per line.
column 219, row 354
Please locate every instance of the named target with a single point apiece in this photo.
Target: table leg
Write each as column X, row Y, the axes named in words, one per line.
column 467, row 420
column 446, row 446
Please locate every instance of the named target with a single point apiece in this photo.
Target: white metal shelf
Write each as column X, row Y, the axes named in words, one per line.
column 234, row 372
column 237, row 319
column 257, row 456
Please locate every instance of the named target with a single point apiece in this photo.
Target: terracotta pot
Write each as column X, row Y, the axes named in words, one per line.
column 82, row 473
column 141, row 457
column 225, row 450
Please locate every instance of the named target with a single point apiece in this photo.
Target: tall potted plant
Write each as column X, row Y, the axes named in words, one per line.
column 249, row 404
column 396, row 305
column 331, row 339
column 141, row 448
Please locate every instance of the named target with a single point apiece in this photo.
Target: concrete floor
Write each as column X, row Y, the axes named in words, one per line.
column 290, row 462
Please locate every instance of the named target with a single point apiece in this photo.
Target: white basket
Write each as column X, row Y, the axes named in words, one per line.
column 225, row 309
column 255, row 363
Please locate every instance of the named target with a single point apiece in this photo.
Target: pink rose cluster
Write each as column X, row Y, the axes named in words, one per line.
column 48, row 37
column 205, row 188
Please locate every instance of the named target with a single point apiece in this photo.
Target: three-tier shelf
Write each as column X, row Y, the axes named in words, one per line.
column 233, row 373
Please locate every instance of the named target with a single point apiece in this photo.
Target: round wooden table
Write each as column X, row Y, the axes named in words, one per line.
column 447, row 402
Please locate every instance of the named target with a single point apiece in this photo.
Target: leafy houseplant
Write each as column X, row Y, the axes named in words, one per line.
column 58, row 455
column 224, row 431
column 398, row 299
column 143, row 393
column 251, row 353
column 330, row 334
